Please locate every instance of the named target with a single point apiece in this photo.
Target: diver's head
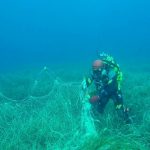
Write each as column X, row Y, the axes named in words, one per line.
column 97, row 65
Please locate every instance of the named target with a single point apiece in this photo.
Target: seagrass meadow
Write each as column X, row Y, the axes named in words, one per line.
column 47, row 47
column 41, row 109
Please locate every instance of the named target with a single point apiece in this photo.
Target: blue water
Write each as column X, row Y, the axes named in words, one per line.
column 35, row 32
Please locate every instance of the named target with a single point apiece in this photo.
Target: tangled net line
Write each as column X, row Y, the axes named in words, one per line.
column 64, row 110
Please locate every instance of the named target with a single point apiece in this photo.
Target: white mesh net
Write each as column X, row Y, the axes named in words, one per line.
column 48, row 113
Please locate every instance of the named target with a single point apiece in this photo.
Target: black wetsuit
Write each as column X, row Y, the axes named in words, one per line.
column 107, row 88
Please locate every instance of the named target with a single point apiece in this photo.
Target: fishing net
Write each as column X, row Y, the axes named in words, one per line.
column 47, row 110
column 43, row 112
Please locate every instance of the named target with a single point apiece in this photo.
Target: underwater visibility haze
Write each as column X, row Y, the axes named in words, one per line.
column 38, row 31
column 46, row 49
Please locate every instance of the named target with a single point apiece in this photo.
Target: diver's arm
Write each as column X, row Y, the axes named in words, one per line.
column 108, row 77
column 87, row 81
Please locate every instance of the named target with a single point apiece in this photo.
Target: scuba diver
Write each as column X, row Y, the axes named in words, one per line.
column 107, row 78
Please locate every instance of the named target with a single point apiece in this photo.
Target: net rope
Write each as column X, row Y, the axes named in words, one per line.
column 63, row 112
